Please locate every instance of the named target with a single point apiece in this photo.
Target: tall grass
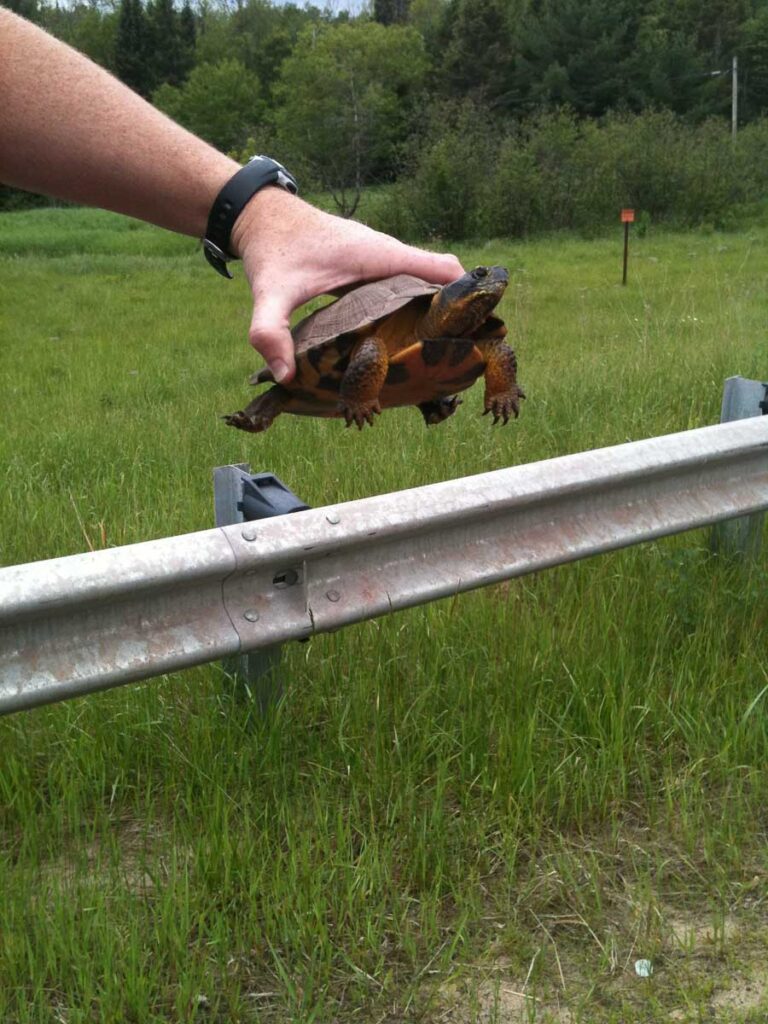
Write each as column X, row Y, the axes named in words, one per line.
column 516, row 789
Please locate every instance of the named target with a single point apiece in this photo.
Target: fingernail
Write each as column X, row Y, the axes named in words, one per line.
column 279, row 369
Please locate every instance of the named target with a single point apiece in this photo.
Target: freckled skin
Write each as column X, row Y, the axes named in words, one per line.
column 422, row 354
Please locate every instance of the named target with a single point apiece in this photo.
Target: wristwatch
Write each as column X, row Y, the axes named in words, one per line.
column 229, row 204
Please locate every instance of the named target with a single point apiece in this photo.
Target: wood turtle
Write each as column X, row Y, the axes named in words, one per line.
column 400, row 341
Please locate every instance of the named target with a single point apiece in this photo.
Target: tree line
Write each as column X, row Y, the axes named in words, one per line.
column 352, row 100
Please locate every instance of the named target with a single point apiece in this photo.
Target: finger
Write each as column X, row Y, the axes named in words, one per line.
column 374, row 255
column 271, row 337
column 425, row 265
column 432, row 267
column 440, row 268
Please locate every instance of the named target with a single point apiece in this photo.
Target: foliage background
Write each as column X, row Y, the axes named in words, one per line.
column 509, row 117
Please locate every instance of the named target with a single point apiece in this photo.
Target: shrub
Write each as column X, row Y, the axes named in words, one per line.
column 471, row 178
column 552, row 172
column 444, row 192
column 16, row 199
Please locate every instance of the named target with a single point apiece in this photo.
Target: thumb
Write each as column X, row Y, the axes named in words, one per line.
column 270, row 335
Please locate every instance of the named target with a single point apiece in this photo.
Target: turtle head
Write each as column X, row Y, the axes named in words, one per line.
column 461, row 306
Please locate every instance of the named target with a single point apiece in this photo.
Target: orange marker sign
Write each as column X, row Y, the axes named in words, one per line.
column 627, row 216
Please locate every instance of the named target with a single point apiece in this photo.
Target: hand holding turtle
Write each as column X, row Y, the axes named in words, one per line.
column 72, row 130
column 292, row 251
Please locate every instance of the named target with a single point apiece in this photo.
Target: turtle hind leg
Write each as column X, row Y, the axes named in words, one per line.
column 362, row 382
column 439, row 409
column 258, row 416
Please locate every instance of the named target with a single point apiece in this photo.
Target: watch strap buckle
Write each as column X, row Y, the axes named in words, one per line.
column 217, row 258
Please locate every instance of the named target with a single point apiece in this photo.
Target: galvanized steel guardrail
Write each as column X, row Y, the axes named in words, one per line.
column 86, row 622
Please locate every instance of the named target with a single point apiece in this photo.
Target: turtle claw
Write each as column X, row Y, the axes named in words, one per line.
column 253, row 424
column 440, row 409
column 504, row 405
column 261, row 413
column 359, row 413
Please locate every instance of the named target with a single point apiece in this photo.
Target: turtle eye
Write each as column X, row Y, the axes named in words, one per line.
column 479, row 273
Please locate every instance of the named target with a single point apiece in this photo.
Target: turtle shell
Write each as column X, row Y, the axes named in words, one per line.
column 358, row 309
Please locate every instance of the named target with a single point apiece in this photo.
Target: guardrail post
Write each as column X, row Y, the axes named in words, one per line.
column 240, row 497
column 741, row 538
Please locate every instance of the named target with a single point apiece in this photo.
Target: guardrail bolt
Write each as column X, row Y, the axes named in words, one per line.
column 333, row 595
column 249, row 534
column 251, row 615
column 333, row 517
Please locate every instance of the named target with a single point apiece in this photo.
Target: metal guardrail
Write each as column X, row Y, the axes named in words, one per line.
column 741, row 538
column 73, row 625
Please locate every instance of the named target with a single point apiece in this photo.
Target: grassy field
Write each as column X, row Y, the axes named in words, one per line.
column 484, row 810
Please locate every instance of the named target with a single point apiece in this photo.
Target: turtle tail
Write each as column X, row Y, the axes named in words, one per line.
column 264, row 376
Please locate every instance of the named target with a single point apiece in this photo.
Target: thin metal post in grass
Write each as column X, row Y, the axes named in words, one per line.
column 627, row 218
column 240, row 497
column 741, row 538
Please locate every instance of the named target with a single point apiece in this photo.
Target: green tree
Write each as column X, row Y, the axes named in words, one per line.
column 390, row 12
column 219, row 102
column 714, row 29
column 754, row 64
column 85, row 26
column 264, row 35
column 479, row 54
column 29, row 9
column 213, row 36
column 256, row 33
column 665, row 69
column 164, row 27
column 575, row 52
column 188, row 33
column 133, row 48
column 428, row 18
column 187, row 25
column 714, row 24
column 345, row 94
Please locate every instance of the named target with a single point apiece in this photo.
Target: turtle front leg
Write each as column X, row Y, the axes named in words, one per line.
column 502, row 392
column 362, row 382
column 261, row 412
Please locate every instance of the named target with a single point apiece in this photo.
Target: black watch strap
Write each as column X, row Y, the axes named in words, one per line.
column 229, row 204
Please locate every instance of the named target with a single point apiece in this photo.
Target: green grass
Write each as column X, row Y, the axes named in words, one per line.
column 522, row 790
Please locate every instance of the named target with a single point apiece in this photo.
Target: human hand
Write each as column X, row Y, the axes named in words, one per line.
column 292, row 251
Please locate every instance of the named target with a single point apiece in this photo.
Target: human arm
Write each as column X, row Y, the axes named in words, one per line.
column 71, row 130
